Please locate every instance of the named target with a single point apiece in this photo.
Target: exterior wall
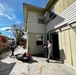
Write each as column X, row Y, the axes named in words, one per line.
column 33, row 48
column 33, row 29
column 33, row 25
column 46, row 16
column 61, row 5
column 65, row 16
column 67, row 38
column 51, row 25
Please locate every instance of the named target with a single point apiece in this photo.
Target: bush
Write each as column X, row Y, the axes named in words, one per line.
column 4, row 40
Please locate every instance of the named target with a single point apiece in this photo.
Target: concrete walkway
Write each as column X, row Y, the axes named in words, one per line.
column 38, row 66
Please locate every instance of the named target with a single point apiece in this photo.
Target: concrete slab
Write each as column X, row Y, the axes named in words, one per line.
column 38, row 66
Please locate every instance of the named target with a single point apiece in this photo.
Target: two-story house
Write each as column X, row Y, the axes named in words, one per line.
column 55, row 22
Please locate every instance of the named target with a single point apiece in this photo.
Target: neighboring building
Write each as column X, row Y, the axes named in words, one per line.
column 56, row 22
column 4, row 44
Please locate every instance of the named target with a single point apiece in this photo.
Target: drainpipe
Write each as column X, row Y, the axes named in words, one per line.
column 71, row 27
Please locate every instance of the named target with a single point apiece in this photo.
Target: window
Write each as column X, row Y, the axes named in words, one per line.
column 49, row 16
column 41, row 21
column 41, row 18
column 52, row 15
column 39, row 40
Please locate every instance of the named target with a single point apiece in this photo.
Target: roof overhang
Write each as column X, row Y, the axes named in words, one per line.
column 27, row 7
column 32, row 8
column 49, row 4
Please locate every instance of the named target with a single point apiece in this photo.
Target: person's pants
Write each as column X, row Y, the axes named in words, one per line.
column 12, row 51
column 49, row 53
column 45, row 52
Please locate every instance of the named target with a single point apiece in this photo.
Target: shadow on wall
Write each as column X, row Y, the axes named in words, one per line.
column 53, row 22
column 57, row 20
column 5, row 68
column 62, row 55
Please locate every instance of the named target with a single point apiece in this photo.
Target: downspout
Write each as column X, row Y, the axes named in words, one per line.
column 71, row 27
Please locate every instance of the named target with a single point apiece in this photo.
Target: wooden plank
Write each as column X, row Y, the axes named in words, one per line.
column 70, row 2
column 73, row 46
column 61, row 5
column 57, row 11
column 63, row 48
column 65, row 4
column 68, row 48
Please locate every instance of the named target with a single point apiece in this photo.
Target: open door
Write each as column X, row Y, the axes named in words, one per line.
column 55, row 45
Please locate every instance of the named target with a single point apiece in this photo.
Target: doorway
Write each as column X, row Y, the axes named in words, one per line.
column 55, row 45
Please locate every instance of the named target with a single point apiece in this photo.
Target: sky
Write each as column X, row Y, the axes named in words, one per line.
column 11, row 12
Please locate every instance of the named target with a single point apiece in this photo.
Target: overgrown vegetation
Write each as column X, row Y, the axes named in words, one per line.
column 4, row 40
column 18, row 32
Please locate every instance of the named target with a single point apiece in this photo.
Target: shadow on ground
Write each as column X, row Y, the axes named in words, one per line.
column 4, row 55
column 32, row 61
column 29, row 60
column 39, row 55
column 5, row 68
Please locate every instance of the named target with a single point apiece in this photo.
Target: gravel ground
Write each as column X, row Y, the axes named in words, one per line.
column 37, row 66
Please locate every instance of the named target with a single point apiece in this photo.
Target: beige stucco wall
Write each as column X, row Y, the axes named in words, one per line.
column 67, row 44
column 33, row 29
column 33, row 25
column 32, row 47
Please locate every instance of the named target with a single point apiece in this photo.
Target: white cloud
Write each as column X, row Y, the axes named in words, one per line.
column 9, row 17
column 6, row 11
column 4, row 28
column 1, row 6
column 18, row 22
column 1, row 14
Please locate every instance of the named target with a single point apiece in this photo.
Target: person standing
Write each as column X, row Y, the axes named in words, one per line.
column 12, row 45
column 49, row 50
